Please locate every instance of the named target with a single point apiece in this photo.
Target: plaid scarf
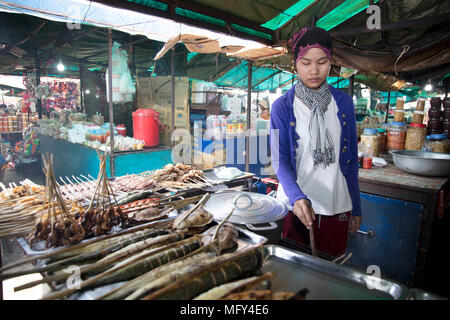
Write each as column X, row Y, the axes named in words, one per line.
column 321, row 141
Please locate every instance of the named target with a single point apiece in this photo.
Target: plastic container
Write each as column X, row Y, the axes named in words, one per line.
column 420, row 104
column 438, row 143
column 417, row 117
column 146, row 126
column 415, row 137
column 367, row 155
column 382, row 140
column 399, row 115
column 370, row 139
column 434, row 125
column 396, row 136
column 436, row 103
column 121, row 130
column 400, row 103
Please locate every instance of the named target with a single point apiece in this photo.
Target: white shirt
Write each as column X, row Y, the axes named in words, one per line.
column 325, row 187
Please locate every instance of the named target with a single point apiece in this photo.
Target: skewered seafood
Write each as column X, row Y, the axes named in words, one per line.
column 55, row 229
column 133, row 182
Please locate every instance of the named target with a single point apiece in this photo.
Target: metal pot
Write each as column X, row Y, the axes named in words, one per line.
column 422, row 163
column 256, row 212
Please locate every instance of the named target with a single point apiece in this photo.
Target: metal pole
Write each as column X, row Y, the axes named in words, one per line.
column 173, row 88
column 80, row 72
column 110, row 98
column 38, row 82
column 249, row 107
column 351, row 85
column 387, row 107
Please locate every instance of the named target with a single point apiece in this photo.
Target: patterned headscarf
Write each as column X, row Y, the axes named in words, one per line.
column 311, row 37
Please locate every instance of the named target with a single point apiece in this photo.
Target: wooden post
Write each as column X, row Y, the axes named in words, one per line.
column 249, row 112
column 111, row 111
column 387, row 107
column 351, row 85
column 38, row 82
column 172, row 65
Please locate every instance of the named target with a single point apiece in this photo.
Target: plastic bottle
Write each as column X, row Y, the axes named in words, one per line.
column 368, row 154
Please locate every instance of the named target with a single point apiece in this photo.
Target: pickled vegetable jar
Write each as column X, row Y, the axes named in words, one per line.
column 382, row 140
column 415, row 136
column 396, row 136
column 370, row 139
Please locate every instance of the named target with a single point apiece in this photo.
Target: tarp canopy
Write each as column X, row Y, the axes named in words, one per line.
column 412, row 44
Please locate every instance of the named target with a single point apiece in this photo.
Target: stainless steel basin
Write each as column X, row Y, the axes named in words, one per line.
column 422, row 163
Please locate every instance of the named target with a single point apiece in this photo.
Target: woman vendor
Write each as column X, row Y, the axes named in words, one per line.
column 314, row 150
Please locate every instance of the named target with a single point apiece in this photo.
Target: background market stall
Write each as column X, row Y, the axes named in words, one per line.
column 392, row 58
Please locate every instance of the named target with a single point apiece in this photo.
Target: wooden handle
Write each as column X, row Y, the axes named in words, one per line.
column 312, row 241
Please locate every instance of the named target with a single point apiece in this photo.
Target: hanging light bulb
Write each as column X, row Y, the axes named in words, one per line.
column 60, row 66
column 87, row 91
column 428, row 87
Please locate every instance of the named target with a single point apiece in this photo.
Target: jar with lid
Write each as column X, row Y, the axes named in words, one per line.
column 438, row 143
column 370, row 139
column 399, row 115
column 420, row 104
column 436, row 103
column 400, row 103
column 396, row 136
column 418, row 117
column 382, row 140
column 415, row 136
column 435, row 113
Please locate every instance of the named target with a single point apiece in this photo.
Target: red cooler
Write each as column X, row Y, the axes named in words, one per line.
column 146, row 126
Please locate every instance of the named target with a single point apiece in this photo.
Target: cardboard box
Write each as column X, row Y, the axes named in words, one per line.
column 158, row 90
column 156, row 93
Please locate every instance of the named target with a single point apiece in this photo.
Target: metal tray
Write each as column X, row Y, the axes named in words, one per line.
column 417, row 294
column 326, row 280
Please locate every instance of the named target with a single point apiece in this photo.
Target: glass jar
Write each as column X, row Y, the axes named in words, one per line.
column 396, row 136
column 370, row 139
column 438, row 143
column 415, row 136
column 400, row 103
column 436, row 103
column 382, row 140
column 420, row 104
column 434, row 113
column 446, row 103
column 434, row 124
column 399, row 115
column 418, row 117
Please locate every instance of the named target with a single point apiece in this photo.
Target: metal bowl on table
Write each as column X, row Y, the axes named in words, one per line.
column 422, row 163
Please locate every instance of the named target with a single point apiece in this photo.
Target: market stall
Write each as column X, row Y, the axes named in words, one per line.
column 139, row 224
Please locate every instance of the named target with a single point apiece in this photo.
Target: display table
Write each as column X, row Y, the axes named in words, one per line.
column 399, row 208
column 76, row 159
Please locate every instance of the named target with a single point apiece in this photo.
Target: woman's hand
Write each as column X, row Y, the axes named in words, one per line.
column 355, row 223
column 304, row 211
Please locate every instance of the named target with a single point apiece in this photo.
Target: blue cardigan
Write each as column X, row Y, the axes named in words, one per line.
column 283, row 144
